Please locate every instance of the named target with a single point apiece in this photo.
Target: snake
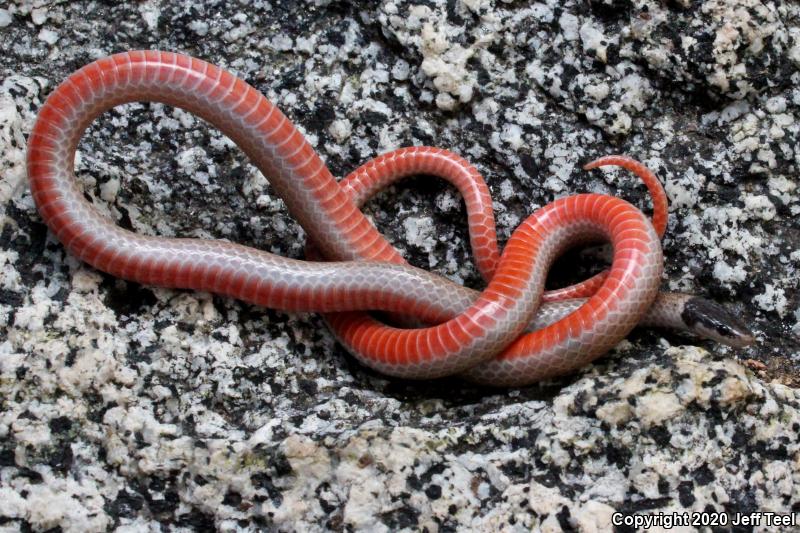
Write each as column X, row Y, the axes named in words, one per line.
column 512, row 333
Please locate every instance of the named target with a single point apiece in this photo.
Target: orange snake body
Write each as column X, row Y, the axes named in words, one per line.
column 480, row 335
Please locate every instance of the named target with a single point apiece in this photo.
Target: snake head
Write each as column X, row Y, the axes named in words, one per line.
column 712, row 321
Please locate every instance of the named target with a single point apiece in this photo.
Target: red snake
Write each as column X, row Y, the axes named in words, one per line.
column 503, row 335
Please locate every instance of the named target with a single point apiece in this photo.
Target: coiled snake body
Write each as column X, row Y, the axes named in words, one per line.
column 503, row 335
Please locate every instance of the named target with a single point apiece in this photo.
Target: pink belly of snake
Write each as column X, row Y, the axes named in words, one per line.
column 480, row 335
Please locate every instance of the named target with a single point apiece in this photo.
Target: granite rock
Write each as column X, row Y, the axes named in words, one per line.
column 131, row 407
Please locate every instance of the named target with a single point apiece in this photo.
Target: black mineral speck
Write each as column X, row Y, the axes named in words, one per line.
column 686, row 493
column 60, row 424
column 434, row 492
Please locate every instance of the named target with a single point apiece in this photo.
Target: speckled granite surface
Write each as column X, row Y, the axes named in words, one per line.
column 132, row 407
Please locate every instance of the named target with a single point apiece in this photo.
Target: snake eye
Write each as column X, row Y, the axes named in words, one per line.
column 711, row 320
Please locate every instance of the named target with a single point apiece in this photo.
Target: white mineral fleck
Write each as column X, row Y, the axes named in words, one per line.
column 657, row 407
column 594, row 40
column 772, row 299
column 340, row 129
column 5, row 18
column 48, row 36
